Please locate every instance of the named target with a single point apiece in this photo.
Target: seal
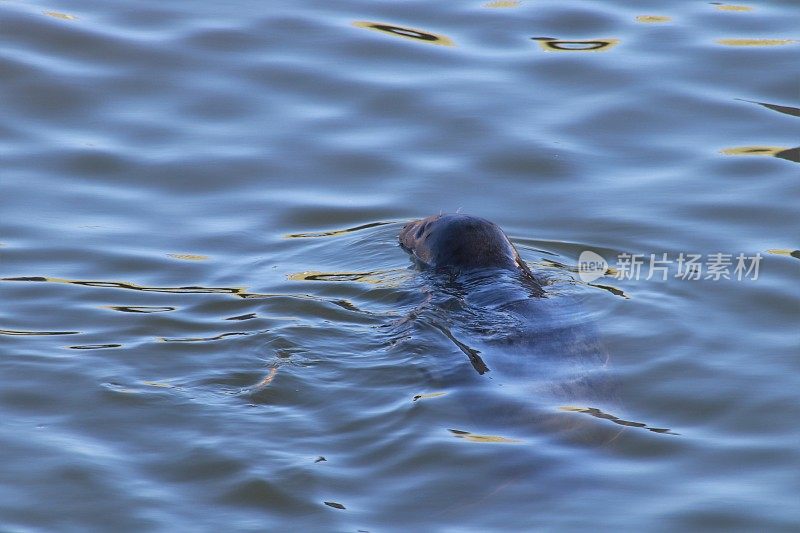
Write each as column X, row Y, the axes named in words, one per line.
column 460, row 243
column 541, row 349
column 486, row 301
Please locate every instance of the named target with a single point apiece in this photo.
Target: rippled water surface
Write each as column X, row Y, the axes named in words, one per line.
column 207, row 323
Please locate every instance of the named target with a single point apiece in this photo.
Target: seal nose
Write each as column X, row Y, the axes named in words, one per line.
column 407, row 232
column 415, row 229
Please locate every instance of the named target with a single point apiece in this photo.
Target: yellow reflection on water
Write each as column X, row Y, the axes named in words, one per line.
column 266, row 380
column 427, row 395
column 789, row 154
column 189, row 257
column 238, row 291
column 755, row 42
column 406, row 33
column 731, row 7
column 59, row 15
column 501, row 4
column 592, row 45
column 787, row 252
column 753, row 150
column 653, row 19
column 377, row 277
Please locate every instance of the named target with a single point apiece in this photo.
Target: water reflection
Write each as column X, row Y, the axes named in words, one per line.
column 730, row 7
column 472, row 354
column 472, row 437
column 204, row 339
column 189, row 257
column 141, row 308
column 238, row 291
column 790, row 253
column 406, row 33
column 501, row 4
column 551, row 44
column 653, row 19
column 611, row 271
column 788, row 110
column 335, row 505
column 597, row 413
column 427, row 395
column 613, row 290
column 59, row 15
column 377, row 277
column 248, row 316
column 94, row 346
column 266, row 380
column 335, row 233
column 755, row 42
column 34, row 333
column 789, row 154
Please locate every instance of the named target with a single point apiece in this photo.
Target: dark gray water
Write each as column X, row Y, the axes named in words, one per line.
column 207, row 323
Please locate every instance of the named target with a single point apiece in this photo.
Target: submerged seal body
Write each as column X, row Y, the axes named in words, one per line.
column 538, row 350
column 484, row 275
column 542, row 349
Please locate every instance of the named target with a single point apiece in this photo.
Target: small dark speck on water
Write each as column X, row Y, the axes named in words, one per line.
column 335, row 505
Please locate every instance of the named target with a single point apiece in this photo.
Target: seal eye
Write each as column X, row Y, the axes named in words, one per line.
column 421, row 230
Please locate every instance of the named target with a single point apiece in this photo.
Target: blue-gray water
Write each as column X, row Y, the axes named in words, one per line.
column 207, row 323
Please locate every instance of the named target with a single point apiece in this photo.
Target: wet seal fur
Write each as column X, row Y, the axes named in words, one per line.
column 459, row 243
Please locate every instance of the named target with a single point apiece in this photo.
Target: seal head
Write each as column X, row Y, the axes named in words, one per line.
column 460, row 243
